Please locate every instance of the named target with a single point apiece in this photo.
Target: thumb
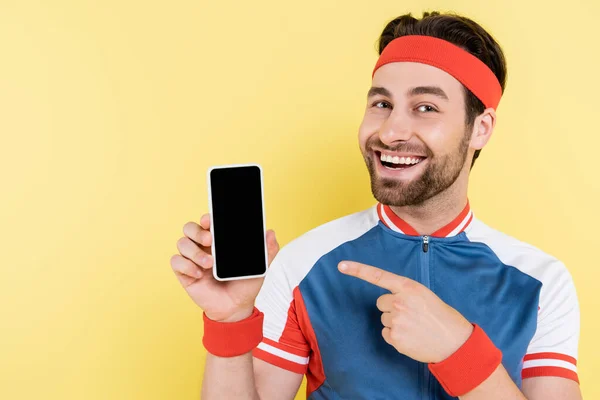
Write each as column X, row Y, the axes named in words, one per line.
column 272, row 245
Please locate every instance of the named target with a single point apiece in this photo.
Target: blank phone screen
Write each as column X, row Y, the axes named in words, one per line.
column 238, row 229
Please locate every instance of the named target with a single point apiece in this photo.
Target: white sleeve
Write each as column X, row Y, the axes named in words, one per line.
column 284, row 344
column 553, row 349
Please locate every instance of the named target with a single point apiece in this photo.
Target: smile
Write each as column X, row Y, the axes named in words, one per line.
column 398, row 162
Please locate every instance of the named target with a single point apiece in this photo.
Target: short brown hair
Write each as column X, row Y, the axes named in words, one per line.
column 464, row 33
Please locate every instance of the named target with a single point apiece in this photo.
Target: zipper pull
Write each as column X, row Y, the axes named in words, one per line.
column 425, row 243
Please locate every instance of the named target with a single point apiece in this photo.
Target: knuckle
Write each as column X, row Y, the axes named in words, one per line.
column 182, row 242
column 395, row 334
column 191, row 269
column 397, row 320
column 199, row 257
column 194, row 232
column 177, row 264
column 204, row 238
column 401, row 308
column 376, row 276
column 185, row 266
column 384, row 302
column 410, row 286
column 413, row 302
column 187, row 227
column 385, row 332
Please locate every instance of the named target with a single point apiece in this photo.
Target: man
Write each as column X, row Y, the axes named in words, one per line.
column 413, row 298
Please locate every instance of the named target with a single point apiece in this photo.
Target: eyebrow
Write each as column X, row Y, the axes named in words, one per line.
column 375, row 90
column 434, row 90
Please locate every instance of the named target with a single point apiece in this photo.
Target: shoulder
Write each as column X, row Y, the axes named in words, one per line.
column 299, row 255
column 519, row 254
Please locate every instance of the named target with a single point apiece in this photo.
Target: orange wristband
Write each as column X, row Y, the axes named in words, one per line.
column 230, row 339
column 469, row 366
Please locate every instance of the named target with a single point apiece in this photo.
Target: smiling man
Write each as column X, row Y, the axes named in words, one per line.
column 414, row 298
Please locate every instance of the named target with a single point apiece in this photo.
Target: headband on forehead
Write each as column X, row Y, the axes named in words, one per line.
column 465, row 67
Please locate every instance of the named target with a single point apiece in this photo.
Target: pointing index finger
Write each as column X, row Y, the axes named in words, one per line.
column 373, row 275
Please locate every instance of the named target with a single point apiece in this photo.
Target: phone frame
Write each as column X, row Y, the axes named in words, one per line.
column 210, row 207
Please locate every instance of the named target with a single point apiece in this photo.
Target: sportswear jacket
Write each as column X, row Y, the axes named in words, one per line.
column 322, row 323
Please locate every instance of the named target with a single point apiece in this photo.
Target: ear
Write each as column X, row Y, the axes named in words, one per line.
column 483, row 127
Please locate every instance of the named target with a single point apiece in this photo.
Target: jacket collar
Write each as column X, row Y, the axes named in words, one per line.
column 394, row 222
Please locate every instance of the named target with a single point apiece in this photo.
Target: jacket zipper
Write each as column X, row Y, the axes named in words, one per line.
column 425, row 281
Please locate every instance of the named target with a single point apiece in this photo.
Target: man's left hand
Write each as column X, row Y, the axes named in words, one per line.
column 416, row 321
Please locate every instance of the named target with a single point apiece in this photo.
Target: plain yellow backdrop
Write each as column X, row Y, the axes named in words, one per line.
column 111, row 112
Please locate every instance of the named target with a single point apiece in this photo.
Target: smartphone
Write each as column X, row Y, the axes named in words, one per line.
column 237, row 221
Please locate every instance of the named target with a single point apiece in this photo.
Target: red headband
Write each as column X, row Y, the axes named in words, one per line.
column 465, row 67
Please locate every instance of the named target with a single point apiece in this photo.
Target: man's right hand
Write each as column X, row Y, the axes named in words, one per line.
column 229, row 301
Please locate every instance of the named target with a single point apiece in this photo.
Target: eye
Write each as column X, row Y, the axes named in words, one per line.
column 426, row 108
column 381, row 104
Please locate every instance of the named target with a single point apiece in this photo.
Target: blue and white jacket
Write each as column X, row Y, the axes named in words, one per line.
column 322, row 323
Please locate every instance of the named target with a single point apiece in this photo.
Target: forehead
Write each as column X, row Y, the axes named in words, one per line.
column 399, row 77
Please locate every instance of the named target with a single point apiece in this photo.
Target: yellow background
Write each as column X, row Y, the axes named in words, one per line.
column 111, row 112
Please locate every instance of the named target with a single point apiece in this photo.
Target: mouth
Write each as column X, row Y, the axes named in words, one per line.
column 403, row 162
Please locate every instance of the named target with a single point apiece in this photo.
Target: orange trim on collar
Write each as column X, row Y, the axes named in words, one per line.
column 394, row 222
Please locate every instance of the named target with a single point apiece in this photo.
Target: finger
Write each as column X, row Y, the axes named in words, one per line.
column 374, row 275
column 184, row 266
column 205, row 221
column 193, row 252
column 272, row 245
column 184, row 280
column 198, row 234
column 387, row 319
column 385, row 303
column 387, row 334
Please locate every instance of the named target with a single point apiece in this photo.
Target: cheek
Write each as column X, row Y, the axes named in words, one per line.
column 369, row 126
column 441, row 137
column 445, row 146
column 435, row 128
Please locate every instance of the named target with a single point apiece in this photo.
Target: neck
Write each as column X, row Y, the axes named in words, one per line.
column 438, row 211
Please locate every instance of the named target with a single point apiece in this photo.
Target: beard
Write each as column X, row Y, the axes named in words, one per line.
column 440, row 173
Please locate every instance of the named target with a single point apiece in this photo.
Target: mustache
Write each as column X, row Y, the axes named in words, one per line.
column 402, row 147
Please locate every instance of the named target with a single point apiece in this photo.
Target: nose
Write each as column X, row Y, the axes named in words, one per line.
column 396, row 128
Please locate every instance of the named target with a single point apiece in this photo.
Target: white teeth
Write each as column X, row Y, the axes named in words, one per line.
column 400, row 160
